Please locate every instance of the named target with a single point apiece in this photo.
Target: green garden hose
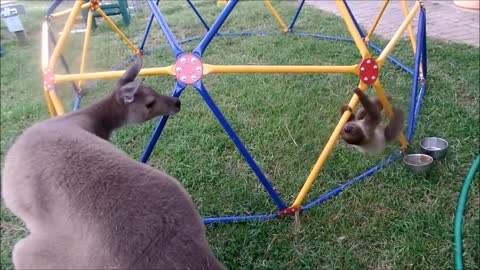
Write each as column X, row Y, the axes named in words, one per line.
column 462, row 200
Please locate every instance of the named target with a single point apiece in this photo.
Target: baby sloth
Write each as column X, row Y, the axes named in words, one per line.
column 365, row 131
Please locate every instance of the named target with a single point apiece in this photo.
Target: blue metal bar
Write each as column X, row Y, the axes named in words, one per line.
column 184, row 41
column 76, row 102
column 147, row 52
column 419, row 102
column 190, row 39
column 324, row 197
column 354, row 20
column 423, row 17
column 421, row 94
column 295, row 17
column 199, row 50
column 53, row 6
column 320, row 36
column 238, row 143
column 334, row 192
column 416, row 72
column 198, row 15
column 129, row 60
column 187, row 40
column 177, row 91
column 391, row 58
column 210, row 220
column 177, row 51
column 418, row 106
column 245, row 33
column 141, row 45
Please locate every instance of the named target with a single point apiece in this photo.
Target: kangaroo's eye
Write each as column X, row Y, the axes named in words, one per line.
column 150, row 104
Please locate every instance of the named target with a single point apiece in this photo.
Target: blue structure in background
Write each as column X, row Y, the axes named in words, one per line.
column 417, row 93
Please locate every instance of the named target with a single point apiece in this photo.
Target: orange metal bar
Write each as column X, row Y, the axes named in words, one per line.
column 45, row 42
column 169, row 70
column 221, row 3
column 51, row 108
column 85, row 44
column 67, row 11
column 410, row 28
column 411, row 33
column 377, row 20
column 212, row 69
column 276, row 15
column 117, row 30
column 66, row 31
column 56, row 103
column 326, row 150
column 388, row 49
column 388, row 109
column 362, row 47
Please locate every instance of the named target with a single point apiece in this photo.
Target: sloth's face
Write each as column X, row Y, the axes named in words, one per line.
column 352, row 133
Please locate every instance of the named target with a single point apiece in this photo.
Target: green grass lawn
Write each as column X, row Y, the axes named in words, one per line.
column 393, row 220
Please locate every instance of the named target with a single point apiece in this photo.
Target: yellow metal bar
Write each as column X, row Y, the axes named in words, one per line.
column 113, row 74
column 410, row 29
column 352, row 29
column 388, row 109
column 326, row 151
column 388, row 49
column 85, row 44
column 51, row 108
column 45, row 42
column 67, row 11
column 377, row 20
column 117, row 30
column 276, row 15
column 56, row 103
column 211, row 69
column 66, row 31
column 221, row 3
column 411, row 33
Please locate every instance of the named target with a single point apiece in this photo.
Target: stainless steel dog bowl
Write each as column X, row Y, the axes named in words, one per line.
column 434, row 147
column 418, row 163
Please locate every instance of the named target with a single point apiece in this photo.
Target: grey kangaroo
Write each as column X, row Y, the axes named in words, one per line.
column 88, row 205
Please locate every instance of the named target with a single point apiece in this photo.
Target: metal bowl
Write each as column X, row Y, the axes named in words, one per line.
column 418, row 163
column 434, row 147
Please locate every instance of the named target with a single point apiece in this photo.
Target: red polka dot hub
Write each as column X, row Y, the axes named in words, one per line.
column 188, row 69
column 368, row 71
column 48, row 79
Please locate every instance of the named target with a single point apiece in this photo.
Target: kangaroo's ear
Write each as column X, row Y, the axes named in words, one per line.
column 131, row 73
column 126, row 93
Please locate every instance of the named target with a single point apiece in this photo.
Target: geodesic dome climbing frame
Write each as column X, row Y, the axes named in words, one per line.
column 189, row 69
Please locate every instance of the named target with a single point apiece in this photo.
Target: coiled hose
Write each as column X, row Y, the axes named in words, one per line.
column 462, row 200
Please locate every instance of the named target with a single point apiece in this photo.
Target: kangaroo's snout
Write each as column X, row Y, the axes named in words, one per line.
column 172, row 104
